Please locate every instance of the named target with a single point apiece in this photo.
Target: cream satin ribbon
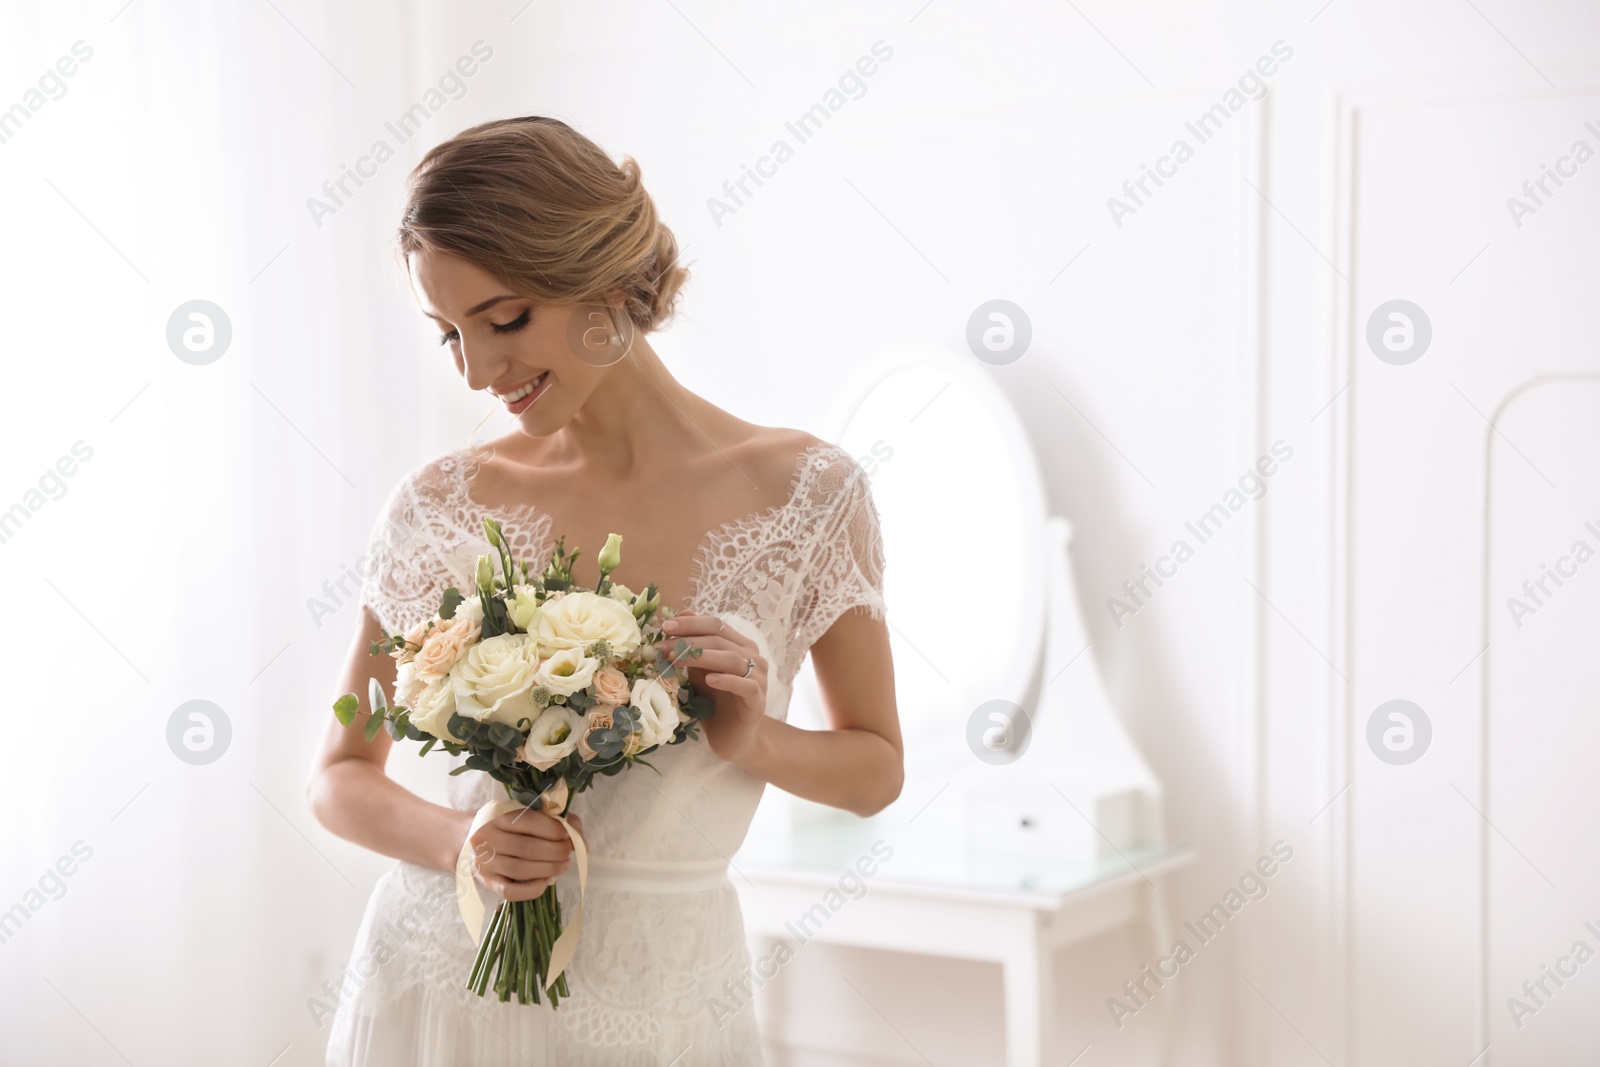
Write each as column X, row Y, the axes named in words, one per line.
column 472, row 906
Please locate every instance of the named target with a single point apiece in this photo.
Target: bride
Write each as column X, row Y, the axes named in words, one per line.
column 543, row 265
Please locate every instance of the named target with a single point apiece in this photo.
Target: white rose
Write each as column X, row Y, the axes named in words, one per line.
column 433, row 707
column 581, row 618
column 620, row 593
column 493, row 682
column 407, row 685
column 522, row 606
column 658, row 711
column 567, row 671
column 554, row 735
column 470, row 608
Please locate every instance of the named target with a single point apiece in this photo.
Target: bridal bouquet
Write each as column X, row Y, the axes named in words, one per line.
column 543, row 684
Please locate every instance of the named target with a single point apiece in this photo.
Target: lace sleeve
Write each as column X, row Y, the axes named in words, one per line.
column 846, row 563
column 410, row 560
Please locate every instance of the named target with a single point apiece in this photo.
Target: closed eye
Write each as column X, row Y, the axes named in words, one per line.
column 515, row 324
column 498, row 327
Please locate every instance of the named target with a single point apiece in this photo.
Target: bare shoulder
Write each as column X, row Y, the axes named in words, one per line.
column 771, row 454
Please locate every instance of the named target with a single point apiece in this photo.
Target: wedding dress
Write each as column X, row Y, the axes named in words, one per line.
column 662, row 972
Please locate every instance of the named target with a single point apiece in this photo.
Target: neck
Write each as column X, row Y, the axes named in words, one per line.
column 638, row 412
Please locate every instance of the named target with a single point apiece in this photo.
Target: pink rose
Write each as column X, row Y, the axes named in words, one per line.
column 598, row 718
column 413, row 638
column 446, row 644
column 671, row 684
column 611, row 686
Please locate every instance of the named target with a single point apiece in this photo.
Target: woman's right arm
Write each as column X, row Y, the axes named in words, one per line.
column 350, row 793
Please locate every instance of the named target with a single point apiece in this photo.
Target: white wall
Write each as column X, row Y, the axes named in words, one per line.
column 1227, row 313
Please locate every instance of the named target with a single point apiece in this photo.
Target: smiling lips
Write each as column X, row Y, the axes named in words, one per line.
column 522, row 397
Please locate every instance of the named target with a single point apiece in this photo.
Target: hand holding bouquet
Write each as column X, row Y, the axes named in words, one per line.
column 543, row 684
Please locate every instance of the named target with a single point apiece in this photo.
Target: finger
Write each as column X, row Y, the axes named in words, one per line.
column 685, row 624
column 721, row 643
column 749, row 688
column 734, row 663
column 519, row 890
column 530, row 822
column 525, row 847
column 515, row 870
column 723, row 657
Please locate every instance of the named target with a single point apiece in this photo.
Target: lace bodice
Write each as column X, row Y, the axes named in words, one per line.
column 795, row 567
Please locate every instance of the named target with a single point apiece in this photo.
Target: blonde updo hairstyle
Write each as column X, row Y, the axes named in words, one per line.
column 542, row 208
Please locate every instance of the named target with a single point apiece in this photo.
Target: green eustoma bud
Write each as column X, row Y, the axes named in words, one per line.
column 610, row 557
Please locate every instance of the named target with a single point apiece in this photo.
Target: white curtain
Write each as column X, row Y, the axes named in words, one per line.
column 158, row 910
column 155, row 154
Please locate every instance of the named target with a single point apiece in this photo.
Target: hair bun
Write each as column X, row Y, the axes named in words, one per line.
column 569, row 225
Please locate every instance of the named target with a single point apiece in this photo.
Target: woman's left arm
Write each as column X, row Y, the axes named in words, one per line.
column 857, row 763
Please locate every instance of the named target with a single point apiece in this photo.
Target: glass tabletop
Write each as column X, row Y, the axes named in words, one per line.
column 936, row 857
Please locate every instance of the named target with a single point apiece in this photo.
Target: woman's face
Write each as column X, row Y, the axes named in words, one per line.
column 525, row 352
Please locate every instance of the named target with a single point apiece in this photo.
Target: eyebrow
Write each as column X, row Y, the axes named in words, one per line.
column 485, row 306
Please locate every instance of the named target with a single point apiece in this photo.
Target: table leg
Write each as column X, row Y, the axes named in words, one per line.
column 1030, row 999
column 1161, row 943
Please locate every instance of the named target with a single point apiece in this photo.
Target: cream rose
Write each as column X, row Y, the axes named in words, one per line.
column 445, row 645
column 566, row 672
column 581, row 618
column 658, row 712
column 493, row 682
column 554, row 736
column 610, row 686
column 433, row 707
column 620, row 593
column 597, row 718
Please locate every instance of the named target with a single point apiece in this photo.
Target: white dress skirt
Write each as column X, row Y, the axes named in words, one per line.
column 661, row 975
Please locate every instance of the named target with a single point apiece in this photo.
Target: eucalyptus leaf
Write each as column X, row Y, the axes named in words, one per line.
column 344, row 709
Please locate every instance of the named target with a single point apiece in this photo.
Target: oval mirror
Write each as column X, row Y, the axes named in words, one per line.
column 961, row 505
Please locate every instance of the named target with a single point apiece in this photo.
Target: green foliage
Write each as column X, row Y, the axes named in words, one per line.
column 699, row 706
column 496, row 616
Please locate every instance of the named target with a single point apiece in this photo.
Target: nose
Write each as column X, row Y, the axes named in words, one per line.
column 481, row 365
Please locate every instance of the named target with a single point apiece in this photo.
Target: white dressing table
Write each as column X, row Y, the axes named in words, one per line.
column 1016, row 913
column 1001, row 850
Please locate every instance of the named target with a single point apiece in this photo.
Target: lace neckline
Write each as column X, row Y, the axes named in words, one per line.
column 536, row 522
